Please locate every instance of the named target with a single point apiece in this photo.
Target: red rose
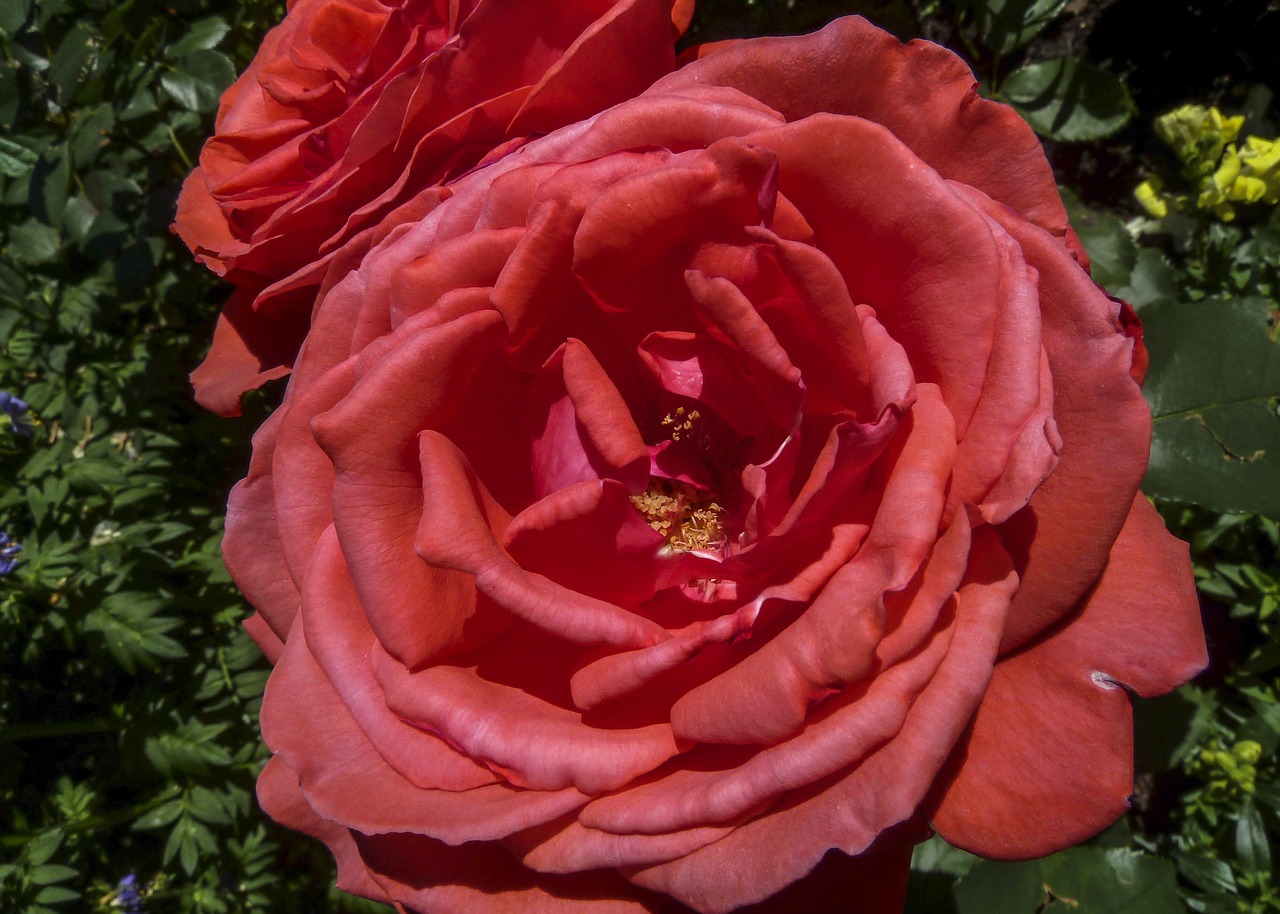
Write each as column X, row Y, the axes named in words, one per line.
column 353, row 108
column 707, row 491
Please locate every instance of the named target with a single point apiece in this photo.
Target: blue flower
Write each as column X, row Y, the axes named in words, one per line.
column 127, row 897
column 16, row 409
column 8, row 553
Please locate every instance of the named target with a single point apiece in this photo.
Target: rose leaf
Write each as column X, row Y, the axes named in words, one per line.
column 1006, row 25
column 1213, row 386
column 1080, row 879
column 1068, row 99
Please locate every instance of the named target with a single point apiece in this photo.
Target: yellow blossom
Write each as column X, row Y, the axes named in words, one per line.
column 1149, row 197
column 1198, row 135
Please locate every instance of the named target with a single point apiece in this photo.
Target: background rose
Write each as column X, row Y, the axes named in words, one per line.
column 353, row 107
column 906, row 570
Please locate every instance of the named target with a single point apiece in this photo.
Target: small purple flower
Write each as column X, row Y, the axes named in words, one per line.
column 9, row 551
column 16, row 409
column 127, row 897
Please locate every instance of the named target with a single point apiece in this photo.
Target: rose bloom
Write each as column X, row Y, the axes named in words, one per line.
column 353, row 108
column 709, row 498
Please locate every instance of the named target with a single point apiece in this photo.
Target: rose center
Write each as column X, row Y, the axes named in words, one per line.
column 687, row 518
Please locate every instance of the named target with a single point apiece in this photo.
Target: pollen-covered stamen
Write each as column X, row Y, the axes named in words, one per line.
column 687, row 518
column 680, row 423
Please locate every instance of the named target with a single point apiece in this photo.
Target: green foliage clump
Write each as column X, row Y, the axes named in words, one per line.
column 1232, row 804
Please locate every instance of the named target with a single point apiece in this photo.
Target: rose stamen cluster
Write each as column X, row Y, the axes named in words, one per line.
column 688, row 520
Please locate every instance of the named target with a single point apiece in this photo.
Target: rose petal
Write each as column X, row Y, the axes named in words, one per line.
column 456, row 537
column 1105, row 426
column 1048, row 760
column 344, row 779
column 426, row 875
column 581, row 427
column 282, row 800
column 251, row 547
column 848, row 811
column 535, row 744
column 765, row 697
column 920, row 91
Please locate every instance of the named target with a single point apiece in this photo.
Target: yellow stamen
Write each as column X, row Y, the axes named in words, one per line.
column 687, row 518
column 680, row 422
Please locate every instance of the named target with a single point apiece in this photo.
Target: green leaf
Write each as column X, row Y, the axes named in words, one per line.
column 207, row 806
column 70, row 65
column 1252, row 849
column 13, row 15
column 43, row 847
column 1213, row 385
column 1152, row 280
column 1006, row 25
column 11, row 96
column 160, row 816
column 49, row 873
column 56, row 894
column 94, row 475
column 193, row 749
column 1082, row 879
column 199, row 80
column 49, row 182
column 1209, row 873
column 132, row 634
column 1068, row 99
column 34, row 243
column 937, row 856
column 204, row 34
column 16, row 160
column 1111, row 251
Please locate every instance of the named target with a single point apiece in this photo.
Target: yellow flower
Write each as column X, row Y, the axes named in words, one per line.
column 1149, row 197
column 1198, row 135
column 1261, row 161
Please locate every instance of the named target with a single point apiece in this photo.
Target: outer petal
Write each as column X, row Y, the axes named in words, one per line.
column 281, row 798
column 1105, row 426
column 252, row 548
column 922, row 92
column 1048, row 760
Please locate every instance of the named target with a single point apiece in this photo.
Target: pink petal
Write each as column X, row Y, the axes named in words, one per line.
column 851, row 810
column 766, row 697
column 466, row 545
column 581, row 427
column 1061, row 539
column 341, row 641
column 590, row 539
column 906, row 242
column 344, row 779
column 923, row 93
column 614, row 59
column 533, row 743
column 282, row 800
column 249, row 349
column 1048, row 760
column 377, row 494
column 252, row 547
column 1011, row 444
column 425, row 875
